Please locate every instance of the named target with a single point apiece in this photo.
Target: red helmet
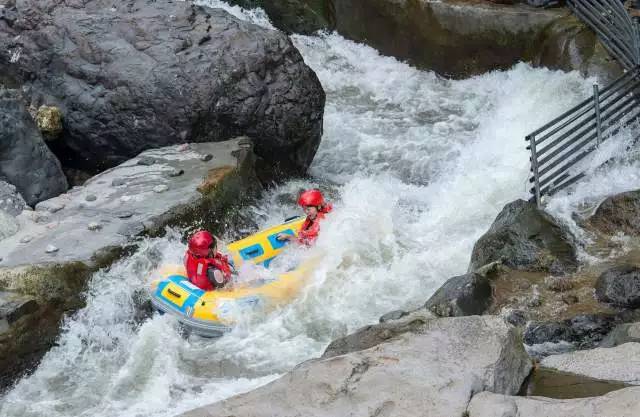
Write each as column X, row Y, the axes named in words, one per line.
column 200, row 243
column 311, row 198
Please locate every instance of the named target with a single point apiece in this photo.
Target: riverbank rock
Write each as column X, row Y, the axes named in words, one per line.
column 295, row 16
column 462, row 38
column 622, row 403
column 137, row 75
column 430, row 372
column 525, row 238
column 623, row 333
column 584, row 330
column 56, row 279
column 464, row 295
column 618, row 213
column 620, row 286
column 620, row 363
column 25, row 160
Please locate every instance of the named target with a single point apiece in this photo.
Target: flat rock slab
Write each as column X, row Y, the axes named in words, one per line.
column 622, row 403
column 431, row 372
column 620, row 363
column 67, row 226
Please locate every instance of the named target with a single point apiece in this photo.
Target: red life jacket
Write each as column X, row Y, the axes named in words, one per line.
column 197, row 269
column 311, row 228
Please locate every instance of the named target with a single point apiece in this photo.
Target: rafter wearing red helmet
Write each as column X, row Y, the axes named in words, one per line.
column 206, row 267
column 315, row 207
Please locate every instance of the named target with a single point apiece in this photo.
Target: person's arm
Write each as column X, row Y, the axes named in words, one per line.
column 285, row 236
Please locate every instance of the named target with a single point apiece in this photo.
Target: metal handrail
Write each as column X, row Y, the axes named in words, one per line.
column 576, row 133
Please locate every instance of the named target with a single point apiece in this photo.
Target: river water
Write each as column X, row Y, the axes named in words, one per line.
column 417, row 167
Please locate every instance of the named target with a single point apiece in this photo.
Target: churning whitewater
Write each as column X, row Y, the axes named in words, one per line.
column 417, row 167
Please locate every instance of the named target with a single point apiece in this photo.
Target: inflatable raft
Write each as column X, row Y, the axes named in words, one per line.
column 211, row 313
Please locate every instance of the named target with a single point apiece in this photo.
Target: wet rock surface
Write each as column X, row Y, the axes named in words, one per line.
column 620, row 363
column 432, row 370
column 295, row 16
column 25, row 160
column 525, row 238
column 464, row 295
column 621, row 403
column 620, row 286
column 584, row 331
column 461, row 38
column 618, row 213
column 137, row 74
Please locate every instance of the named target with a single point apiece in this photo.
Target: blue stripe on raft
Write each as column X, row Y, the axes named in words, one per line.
column 277, row 244
column 252, row 251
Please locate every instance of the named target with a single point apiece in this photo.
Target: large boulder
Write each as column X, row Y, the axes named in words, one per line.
column 525, row 238
column 622, row 403
column 620, row 286
column 135, row 74
column 432, row 371
column 464, row 295
column 462, row 38
column 620, row 363
column 25, row 160
column 295, row 16
column 618, row 213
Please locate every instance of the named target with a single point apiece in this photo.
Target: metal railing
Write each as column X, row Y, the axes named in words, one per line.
column 617, row 31
column 557, row 147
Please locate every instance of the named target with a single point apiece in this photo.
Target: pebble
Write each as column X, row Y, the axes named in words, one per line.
column 124, row 214
column 146, row 161
column 117, row 182
column 91, row 197
column 206, row 157
column 26, row 239
column 94, row 226
column 51, row 249
column 175, row 172
column 160, row 188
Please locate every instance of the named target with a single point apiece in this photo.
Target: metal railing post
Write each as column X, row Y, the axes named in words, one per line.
column 534, row 168
column 596, row 107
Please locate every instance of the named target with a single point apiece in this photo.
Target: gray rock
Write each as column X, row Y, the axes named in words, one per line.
column 464, row 295
column 525, row 238
column 26, row 239
column 161, row 188
column 621, row 403
column 393, row 315
column 175, row 173
column 206, row 157
column 619, row 213
column 173, row 72
column 11, row 202
column 25, row 160
column 118, row 182
column 146, row 161
column 51, row 206
column 15, row 306
column 620, row 363
column 517, row 318
column 584, row 331
column 94, row 226
column 124, row 214
column 9, row 226
column 131, row 229
column 51, row 249
column 431, row 372
column 620, row 286
column 623, row 333
column 91, row 197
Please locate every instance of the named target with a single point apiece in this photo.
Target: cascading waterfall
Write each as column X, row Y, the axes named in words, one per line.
column 417, row 167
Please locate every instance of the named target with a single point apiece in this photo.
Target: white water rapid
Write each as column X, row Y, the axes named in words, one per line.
column 417, row 168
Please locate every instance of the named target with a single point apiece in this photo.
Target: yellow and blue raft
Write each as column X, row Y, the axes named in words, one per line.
column 212, row 313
